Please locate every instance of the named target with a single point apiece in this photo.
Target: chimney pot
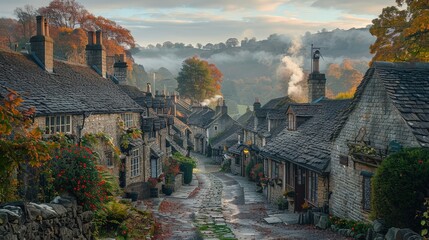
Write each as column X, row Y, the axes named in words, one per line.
column 46, row 25
column 91, row 38
column 98, row 37
column 40, row 25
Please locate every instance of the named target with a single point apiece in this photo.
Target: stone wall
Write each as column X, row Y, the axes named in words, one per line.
column 60, row 219
column 382, row 122
column 178, row 181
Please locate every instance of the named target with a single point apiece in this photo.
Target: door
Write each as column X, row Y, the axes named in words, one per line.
column 299, row 188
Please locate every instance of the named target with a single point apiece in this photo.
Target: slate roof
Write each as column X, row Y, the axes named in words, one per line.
column 245, row 117
column 304, row 110
column 309, row 146
column 235, row 148
column 136, row 94
column 278, row 103
column 179, row 125
column 226, row 137
column 71, row 89
column 201, row 117
column 407, row 85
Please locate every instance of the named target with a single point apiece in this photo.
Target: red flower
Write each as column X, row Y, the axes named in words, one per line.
column 420, row 161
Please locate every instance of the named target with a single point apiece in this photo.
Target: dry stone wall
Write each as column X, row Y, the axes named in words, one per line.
column 60, row 219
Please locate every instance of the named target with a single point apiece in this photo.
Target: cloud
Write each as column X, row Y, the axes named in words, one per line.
column 350, row 6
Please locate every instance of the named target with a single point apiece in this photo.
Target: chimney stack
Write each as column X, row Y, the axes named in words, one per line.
column 120, row 69
column 224, row 108
column 95, row 52
column 316, row 80
column 42, row 46
column 256, row 104
column 148, row 88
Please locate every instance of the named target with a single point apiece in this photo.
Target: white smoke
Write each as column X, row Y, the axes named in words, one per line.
column 206, row 102
column 291, row 69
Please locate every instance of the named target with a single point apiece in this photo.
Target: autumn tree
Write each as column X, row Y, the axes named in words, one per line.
column 20, row 143
column 64, row 13
column 10, row 32
column 199, row 79
column 27, row 18
column 402, row 32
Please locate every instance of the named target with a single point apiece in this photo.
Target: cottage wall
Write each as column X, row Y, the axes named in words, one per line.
column 108, row 124
column 383, row 123
column 220, row 125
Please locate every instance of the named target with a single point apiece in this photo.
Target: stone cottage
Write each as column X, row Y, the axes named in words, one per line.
column 263, row 125
column 75, row 99
column 390, row 110
column 297, row 159
column 206, row 124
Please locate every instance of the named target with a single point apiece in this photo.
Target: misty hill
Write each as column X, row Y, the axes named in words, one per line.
column 255, row 69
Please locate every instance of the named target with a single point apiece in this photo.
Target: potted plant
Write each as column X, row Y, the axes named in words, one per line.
column 290, row 196
column 282, row 203
column 153, row 182
column 168, row 188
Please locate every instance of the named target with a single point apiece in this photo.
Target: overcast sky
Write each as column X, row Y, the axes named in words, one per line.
column 203, row 21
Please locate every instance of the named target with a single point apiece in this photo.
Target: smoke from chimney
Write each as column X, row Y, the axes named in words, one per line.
column 206, row 102
column 291, row 70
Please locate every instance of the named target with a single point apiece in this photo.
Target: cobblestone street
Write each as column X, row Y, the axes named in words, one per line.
column 224, row 206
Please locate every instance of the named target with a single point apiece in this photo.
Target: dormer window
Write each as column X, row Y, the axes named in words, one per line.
column 292, row 122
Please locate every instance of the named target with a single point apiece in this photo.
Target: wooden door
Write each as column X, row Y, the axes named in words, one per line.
column 299, row 188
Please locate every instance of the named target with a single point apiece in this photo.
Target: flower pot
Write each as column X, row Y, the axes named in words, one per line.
column 133, row 195
column 167, row 190
column 186, row 168
column 154, row 192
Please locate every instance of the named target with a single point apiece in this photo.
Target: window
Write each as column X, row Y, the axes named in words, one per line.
column 312, row 187
column 135, row 163
column 366, row 193
column 109, row 158
column 154, row 167
column 237, row 160
column 58, row 124
column 215, row 127
column 128, row 119
column 290, row 175
column 291, row 120
column 274, row 169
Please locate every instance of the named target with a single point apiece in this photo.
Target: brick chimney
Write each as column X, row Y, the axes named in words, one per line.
column 95, row 52
column 42, row 45
column 120, row 69
column 316, row 80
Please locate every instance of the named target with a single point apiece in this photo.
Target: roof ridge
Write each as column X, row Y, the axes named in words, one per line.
column 396, row 65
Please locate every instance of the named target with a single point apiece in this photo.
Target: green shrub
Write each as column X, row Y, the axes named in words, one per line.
column 398, row 187
column 184, row 160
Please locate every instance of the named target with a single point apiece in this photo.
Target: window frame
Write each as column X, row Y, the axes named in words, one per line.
column 135, row 163
column 58, row 124
column 128, row 119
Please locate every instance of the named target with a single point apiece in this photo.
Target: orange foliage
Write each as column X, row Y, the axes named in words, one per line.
column 20, row 142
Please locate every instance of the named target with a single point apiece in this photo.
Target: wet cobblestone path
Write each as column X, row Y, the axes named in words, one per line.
column 223, row 206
